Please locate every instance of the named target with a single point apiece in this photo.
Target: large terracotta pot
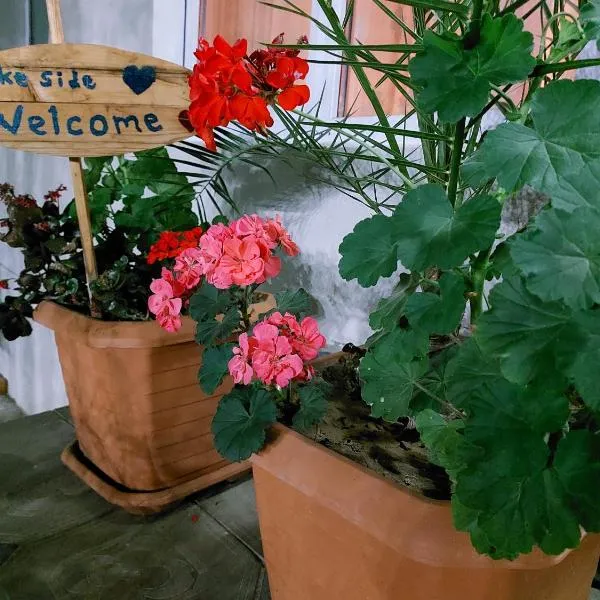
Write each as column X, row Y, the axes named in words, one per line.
column 333, row 530
column 139, row 413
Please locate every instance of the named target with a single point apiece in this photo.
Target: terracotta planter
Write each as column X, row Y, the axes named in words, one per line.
column 333, row 530
column 139, row 413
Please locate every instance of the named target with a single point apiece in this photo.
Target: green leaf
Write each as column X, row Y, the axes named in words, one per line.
column 442, row 313
column 560, row 142
column 529, row 337
column 589, row 16
column 442, row 438
column 299, row 303
column 214, row 367
column 313, row 405
column 577, row 464
column 468, row 371
column 93, row 168
column 561, row 257
column 569, row 34
column 584, row 371
column 391, row 371
column 390, row 310
column 369, row 252
column 429, row 232
column 241, row 421
column 513, row 500
column 209, row 302
column 579, row 189
column 457, row 81
column 212, row 330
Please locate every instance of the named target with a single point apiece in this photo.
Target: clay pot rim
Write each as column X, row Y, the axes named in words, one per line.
column 110, row 334
column 119, row 334
column 285, row 446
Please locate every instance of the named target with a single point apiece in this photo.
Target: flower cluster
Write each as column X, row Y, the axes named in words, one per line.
column 239, row 254
column 4, row 284
column 226, row 85
column 277, row 352
column 54, row 195
column 171, row 244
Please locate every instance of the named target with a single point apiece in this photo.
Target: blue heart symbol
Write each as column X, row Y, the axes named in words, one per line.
column 139, row 79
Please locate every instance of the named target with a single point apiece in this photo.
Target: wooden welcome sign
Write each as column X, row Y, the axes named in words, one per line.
column 88, row 100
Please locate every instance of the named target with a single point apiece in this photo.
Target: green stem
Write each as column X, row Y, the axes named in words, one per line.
column 459, row 138
column 479, row 269
column 472, row 37
column 471, row 40
column 244, row 308
column 564, row 66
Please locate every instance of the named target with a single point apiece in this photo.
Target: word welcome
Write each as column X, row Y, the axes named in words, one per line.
column 57, row 124
column 48, row 79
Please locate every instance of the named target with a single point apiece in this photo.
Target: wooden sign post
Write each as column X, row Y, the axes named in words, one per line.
column 57, row 36
column 80, row 100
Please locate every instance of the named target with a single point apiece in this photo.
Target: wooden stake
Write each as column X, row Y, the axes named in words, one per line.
column 57, row 36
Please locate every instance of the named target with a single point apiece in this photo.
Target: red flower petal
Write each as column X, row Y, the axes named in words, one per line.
column 294, row 97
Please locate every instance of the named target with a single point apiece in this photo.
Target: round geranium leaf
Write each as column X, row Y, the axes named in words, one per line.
column 241, row 421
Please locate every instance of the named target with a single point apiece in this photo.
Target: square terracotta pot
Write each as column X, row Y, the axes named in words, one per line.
column 139, row 413
column 334, row 530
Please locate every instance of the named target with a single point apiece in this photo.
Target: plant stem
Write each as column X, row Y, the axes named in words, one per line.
column 459, row 138
column 471, row 40
column 472, row 37
column 479, row 269
column 564, row 66
column 244, row 308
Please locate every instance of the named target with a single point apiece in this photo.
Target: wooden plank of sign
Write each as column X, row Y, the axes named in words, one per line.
column 103, row 66
column 87, row 129
column 89, row 100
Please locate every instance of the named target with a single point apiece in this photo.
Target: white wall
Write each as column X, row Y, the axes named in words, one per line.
column 31, row 364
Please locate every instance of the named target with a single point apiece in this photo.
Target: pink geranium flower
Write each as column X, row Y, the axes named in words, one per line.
column 253, row 225
column 273, row 360
column 169, row 322
column 239, row 366
column 188, row 268
column 211, row 251
column 308, row 340
column 241, row 262
column 164, row 303
column 280, row 235
column 305, row 337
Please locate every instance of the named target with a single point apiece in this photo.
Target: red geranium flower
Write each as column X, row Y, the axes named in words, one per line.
column 171, row 244
column 226, row 85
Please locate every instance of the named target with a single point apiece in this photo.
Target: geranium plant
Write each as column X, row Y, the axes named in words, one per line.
column 502, row 383
column 132, row 200
column 216, row 275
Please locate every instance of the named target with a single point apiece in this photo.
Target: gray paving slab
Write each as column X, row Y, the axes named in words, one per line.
column 119, row 557
column 235, row 509
column 60, row 541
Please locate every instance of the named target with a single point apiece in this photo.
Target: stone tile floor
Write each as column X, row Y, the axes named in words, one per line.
column 60, row 541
